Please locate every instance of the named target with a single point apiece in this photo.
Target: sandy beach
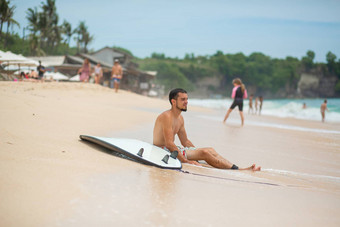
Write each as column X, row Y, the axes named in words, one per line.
column 48, row 177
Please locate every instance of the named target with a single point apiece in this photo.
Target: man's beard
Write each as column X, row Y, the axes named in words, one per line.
column 183, row 109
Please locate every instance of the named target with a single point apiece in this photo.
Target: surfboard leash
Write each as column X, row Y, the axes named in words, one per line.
column 226, row 178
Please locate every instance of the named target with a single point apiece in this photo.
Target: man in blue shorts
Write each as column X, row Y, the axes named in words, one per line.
column 116, row 75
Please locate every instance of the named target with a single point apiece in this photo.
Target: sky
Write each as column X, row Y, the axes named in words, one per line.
column 175, row 27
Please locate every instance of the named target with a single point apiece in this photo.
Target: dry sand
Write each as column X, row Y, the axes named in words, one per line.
column 48, row 177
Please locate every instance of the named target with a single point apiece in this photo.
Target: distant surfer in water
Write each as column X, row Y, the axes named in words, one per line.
column 238, row 94
column 171, row 123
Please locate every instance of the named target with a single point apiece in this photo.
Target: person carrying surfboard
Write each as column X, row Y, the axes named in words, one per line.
column 171, row 123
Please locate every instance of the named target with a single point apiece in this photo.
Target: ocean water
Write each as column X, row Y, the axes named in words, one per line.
column 281, row 107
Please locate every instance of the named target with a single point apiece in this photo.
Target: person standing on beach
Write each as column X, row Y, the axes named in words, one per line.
column 41, row 70
column 116, row 75
column 256, row 104
column 323, row 109
column 85, row 71
column 98, row 73
column 261, row 102
column 251, row 104
column 171, row 123
column 238, row 94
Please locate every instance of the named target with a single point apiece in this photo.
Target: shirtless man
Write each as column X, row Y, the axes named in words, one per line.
column 116, row 75
column 251, row 104
column 171, row 122
column 323, row 109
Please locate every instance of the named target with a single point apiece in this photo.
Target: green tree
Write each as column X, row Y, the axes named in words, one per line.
column 7, row 13
column 158, row 55
column 307, row 61
column 331, row 64
column 83, row 37
column 3, row 13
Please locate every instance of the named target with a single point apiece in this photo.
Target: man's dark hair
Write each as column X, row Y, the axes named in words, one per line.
column 174, row 93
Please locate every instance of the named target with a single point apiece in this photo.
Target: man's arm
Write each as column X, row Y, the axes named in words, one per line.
column 182, row 135
column 169, row 137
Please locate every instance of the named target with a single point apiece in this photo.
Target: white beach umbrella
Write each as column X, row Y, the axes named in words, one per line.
column 9, row 58
column 75, row 78
column 55, row 76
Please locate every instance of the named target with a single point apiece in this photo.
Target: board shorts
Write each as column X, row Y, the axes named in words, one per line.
column 183, row 150
column 239, row 103
column 116, row 80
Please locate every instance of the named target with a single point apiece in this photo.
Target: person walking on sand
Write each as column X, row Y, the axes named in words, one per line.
column 41, row 70
column 251, row 104
column 116, row 75
column 256, row 104
column 98, row 73
column 171, row 123
column 261, row 102
column 85, row 71
column 238, row 94
column 323, row 109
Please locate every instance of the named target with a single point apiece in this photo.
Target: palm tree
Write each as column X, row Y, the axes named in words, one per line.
column 10, row 21
column 87, row 38
column 84, row 36
column 51, row 28
column 33, row 19
column 3, row 13
column 67, row 30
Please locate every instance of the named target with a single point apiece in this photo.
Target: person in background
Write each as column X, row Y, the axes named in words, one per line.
column 323, row 109
column 261, row 102
column 116, row 75
column 238, row 94
column 34, row 75
column 304, row 106
column 256, row 104
column 85, row 71
column 251, row 104
column 98, row 73
column 41, row 70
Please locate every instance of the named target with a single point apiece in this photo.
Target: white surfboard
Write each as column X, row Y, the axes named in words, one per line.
column 138, row 150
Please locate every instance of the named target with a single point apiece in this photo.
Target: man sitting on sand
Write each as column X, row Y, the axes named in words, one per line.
column 171, row 122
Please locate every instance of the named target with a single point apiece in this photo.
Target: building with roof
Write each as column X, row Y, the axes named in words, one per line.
column 133, row 79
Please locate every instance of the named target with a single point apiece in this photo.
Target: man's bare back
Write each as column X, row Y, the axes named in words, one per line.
column 117, row 71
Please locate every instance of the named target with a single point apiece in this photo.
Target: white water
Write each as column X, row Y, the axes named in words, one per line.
column 281, row 108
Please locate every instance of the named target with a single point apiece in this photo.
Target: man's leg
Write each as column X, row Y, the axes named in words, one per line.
column 214, row 159
column 210, row 156
column 116, row 86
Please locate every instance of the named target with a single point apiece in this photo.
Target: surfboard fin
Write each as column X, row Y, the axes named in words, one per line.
column 166, row 159
column 174, row 154
column 140, row 152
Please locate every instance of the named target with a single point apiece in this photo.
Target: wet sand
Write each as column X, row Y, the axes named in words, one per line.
column 49, row 177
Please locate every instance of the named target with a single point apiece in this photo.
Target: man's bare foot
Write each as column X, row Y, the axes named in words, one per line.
column 252, row 167
column 257, row 168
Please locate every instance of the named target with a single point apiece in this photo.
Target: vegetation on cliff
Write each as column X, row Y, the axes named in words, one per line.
column 261, row 73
